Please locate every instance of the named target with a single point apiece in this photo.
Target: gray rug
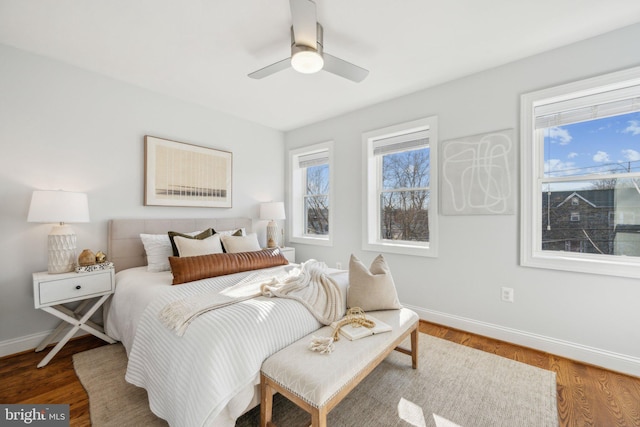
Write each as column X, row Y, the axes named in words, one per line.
column 454, row 386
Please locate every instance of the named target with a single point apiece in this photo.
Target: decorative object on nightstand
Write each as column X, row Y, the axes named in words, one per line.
column 52, row 291
column 86, row 258
column 62, row 207
column 95, row 267
column 272, row 211
column 101, row 257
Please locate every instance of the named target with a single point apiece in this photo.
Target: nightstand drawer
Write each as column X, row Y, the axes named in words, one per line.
column 71, row 288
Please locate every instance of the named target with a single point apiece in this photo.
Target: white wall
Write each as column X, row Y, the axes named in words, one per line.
column 594, row 318
column 65, row 128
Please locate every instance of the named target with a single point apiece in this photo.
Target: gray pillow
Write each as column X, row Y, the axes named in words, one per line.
column 371, row 288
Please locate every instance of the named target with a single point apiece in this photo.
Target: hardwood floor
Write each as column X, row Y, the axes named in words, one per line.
column 587, row 395
column 22, row 382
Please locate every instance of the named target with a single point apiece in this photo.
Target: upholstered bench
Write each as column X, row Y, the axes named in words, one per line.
column 318, row 382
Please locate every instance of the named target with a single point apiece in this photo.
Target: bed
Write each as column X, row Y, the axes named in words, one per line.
column 210, row 375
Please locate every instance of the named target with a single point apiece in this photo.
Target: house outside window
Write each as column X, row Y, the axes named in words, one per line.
column 581, row 176
column 400, row 212
column 311, row 194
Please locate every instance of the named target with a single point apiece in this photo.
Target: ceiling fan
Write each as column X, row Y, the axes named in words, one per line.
column 307, row 54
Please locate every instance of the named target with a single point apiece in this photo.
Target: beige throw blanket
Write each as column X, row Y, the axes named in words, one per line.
column 314, row 288
column 309, row 284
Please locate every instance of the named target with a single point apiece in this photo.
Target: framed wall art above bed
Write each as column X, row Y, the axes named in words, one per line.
column 180, row 174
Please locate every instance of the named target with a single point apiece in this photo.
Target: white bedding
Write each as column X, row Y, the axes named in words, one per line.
column 208, row 376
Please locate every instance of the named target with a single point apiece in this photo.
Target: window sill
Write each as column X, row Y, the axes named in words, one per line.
column 316, row 241
column 404, row 249
column 584, row 263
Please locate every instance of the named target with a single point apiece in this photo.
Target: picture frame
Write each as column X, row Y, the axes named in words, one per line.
column 186, row 175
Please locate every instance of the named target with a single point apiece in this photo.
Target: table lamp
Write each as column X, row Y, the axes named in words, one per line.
column 61, row 207
column 272, row 211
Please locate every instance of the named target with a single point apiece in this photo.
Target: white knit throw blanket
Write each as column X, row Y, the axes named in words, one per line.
column 309, row 284
column 314, row 288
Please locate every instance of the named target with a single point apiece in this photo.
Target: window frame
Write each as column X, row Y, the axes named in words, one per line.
column 297, row 186
column 372, row 170
column 532, row 170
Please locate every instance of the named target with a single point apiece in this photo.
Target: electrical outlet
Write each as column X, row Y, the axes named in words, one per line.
column 339, row 265
column 507, row 294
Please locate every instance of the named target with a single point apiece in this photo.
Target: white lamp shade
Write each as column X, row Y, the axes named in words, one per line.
column 272, row 210
column 58, row 206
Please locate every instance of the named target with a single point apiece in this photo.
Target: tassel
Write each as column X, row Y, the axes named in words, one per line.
column 324, row 345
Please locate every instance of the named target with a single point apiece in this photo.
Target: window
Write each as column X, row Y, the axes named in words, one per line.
column 310, row 181
column 400, row 213
column 581, row 176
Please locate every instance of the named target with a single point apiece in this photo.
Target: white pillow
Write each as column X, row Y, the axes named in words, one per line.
column 234, row 244
column 195, row 247
column 232, row 232
column 158, row 250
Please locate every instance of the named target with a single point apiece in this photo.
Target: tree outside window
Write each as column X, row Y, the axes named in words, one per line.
column 404, row 198
column 316, row 200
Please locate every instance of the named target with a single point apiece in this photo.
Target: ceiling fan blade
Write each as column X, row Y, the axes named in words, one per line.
column 303, row 18
column 342, row 68
column 271, row 69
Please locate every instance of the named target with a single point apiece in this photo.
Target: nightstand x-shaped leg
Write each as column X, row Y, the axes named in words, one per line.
column 78, row 321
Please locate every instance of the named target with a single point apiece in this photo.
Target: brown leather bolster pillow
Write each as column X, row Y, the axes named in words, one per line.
column 188, row 269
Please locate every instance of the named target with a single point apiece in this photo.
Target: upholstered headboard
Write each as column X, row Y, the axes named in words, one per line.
column 125, row 248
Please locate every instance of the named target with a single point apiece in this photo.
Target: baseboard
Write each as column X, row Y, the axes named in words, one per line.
column 27, row 342
column 622, row 363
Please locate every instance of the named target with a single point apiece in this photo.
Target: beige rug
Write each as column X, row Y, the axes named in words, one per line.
column 454, row 386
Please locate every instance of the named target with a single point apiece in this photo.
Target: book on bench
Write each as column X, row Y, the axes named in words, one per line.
column 355, row 332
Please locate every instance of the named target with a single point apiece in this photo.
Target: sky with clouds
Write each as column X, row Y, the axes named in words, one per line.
column 603, row 146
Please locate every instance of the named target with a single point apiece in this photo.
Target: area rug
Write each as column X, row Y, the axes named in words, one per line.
column 453, row 386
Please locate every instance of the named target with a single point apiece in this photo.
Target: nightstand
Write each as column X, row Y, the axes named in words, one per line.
column 289, row 253
column 52, row 291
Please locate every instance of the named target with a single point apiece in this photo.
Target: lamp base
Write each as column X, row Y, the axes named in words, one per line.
column 62, row 250
column 272, row 235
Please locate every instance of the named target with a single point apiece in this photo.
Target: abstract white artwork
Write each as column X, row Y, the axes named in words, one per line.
column 478, row 174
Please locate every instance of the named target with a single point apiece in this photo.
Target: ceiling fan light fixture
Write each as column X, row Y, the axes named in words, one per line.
column 307, row 61
column 307, row 52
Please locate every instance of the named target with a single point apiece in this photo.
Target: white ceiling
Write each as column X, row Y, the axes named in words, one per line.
column 202, row 50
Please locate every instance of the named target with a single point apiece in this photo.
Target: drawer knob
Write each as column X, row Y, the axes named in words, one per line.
column 78, row 287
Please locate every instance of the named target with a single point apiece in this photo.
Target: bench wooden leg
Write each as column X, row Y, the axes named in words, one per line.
column 414, row 349
column 266, row 402
column 319, row 417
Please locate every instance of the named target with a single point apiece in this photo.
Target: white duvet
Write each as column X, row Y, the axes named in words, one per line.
column 206, row 377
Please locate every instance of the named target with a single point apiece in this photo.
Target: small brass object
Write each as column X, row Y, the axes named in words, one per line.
column 86, row 258
column 101, row 257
